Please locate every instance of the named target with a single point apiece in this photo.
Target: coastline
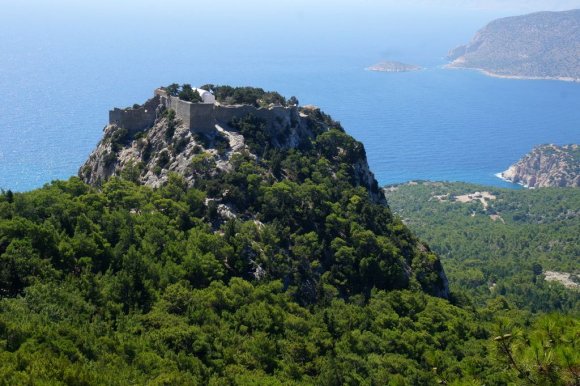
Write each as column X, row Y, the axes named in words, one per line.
column 517, row 77
column 501, row 177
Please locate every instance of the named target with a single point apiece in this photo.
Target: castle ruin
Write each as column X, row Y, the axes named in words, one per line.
column 200, row 117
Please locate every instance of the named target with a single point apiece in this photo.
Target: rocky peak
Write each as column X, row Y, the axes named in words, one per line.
column 147, row 148
column 291, row 171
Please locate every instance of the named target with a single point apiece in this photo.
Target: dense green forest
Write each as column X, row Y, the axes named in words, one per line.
column 282, row 269
column 501, row 249
column 129, row 285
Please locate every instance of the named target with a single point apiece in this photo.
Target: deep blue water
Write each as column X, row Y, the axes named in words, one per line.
column 63, row 66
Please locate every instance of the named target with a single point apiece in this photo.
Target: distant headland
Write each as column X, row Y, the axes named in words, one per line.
column 546, row 165
column 391, row 66
column 542, row 45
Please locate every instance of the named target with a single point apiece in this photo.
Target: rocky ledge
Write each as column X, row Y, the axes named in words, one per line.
column 547, row 165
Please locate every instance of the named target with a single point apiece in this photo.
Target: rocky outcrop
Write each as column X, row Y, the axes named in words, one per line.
column 547, row 165
column 171, row 145
column 543, row 45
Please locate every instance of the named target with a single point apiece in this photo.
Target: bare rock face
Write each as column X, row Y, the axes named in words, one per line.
column 169, row 145
column 148, row 157
column 547, row 165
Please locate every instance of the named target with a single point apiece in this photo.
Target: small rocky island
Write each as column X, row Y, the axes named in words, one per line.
column 547, row 165
column 393, row 67
column 542, row 45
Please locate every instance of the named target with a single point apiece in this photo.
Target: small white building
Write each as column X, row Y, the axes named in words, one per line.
column 206, row 96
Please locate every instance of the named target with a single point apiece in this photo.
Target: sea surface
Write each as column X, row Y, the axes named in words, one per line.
column 64, row 65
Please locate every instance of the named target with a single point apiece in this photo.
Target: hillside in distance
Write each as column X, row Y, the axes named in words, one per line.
column 543, row 45
column 499, row 242
column 547, row 165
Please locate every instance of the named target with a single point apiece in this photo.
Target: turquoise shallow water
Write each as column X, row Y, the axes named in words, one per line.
column 62, row 71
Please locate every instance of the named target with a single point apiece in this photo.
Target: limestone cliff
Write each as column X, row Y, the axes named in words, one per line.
column 547, row 165
column 543, row 45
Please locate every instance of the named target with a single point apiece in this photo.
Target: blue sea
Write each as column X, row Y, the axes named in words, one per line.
column 63, row 65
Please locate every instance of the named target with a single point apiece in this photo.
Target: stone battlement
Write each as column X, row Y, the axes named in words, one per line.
column 196, row 116
column 200, row 117
column 135, row 119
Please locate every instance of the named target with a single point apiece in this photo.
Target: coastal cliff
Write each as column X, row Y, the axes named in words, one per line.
column 543, row 45
column 547, row 165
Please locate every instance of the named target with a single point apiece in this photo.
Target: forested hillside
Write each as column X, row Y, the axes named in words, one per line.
column 130, row 285
column 282, row 266
column 502, row 244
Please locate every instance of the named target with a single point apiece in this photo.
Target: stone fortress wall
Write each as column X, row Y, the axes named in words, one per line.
column 135, row 119
column 277, row 118
column 201, row 117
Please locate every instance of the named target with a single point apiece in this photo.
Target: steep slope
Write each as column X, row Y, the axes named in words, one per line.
column 543, row 45
column 547, row 165
column 294, row 170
